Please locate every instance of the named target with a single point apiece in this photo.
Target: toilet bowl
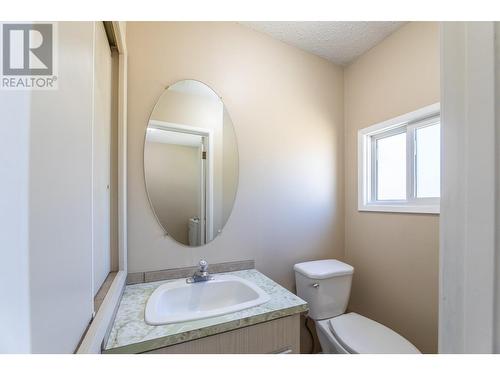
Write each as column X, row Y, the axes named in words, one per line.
column 326, row 286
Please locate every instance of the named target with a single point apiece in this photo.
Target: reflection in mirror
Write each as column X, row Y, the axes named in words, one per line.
column 191, row 163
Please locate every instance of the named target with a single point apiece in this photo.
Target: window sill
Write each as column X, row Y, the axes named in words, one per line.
column 402, row 208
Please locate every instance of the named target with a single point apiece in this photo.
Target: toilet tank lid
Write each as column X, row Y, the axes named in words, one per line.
column 323, row 269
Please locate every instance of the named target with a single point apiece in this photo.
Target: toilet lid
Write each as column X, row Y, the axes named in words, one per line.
column 358, row 334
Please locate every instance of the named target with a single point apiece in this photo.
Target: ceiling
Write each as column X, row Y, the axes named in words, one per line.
column 339, row 42
column 172, row 137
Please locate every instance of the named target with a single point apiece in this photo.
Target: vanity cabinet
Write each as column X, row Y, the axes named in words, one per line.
column 270, row 327
column 280, row 335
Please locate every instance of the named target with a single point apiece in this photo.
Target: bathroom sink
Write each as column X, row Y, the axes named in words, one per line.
column 179, row 301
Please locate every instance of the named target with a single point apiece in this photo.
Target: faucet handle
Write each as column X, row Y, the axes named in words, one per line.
column 203, row 265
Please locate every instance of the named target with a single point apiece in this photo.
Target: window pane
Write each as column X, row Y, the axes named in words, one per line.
column 428, row 161
column 391, row 167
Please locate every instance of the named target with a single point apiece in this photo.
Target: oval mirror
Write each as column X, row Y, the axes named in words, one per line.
column 191, row 163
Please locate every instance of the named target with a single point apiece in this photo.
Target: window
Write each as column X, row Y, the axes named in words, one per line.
column 399, row 163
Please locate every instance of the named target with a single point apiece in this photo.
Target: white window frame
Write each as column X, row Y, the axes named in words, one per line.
column 367, row 184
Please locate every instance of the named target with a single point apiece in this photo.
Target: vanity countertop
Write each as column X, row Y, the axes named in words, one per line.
column 131, row 334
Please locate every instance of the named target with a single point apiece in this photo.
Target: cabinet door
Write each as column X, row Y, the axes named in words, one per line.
column 60, row 199
column 276, row 336
column 101, row 160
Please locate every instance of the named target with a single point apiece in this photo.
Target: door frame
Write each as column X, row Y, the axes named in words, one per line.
column 101, row 277
column 100, row 326
column 469, row 190
column 209, row 169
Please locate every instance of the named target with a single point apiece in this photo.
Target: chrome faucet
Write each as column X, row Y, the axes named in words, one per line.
column 201, row 274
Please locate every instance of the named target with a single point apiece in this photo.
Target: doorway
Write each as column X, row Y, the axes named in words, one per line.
column 184, row 155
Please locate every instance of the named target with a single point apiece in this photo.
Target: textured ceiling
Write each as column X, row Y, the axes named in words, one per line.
column 340, row 42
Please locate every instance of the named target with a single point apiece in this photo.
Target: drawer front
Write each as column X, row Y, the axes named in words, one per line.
column 276, row 336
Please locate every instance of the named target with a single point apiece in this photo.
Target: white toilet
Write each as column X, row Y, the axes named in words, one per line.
column 326, row 285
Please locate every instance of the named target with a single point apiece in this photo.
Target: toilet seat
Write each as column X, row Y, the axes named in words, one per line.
column 358, row 334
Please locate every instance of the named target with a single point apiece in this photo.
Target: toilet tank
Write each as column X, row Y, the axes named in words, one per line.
column 325, row 285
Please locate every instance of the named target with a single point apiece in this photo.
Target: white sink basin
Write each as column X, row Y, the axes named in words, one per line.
column 179, row 301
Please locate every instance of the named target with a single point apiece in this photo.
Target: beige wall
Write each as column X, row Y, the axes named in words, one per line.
column 287, row 110
column 172, row 173
column 229, row 167
column 395, row 256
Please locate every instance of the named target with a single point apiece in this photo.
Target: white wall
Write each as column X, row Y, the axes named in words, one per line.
column 45, row 150
column 14, row 247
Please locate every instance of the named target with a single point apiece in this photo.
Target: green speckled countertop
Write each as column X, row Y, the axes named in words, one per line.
column 131, row 334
